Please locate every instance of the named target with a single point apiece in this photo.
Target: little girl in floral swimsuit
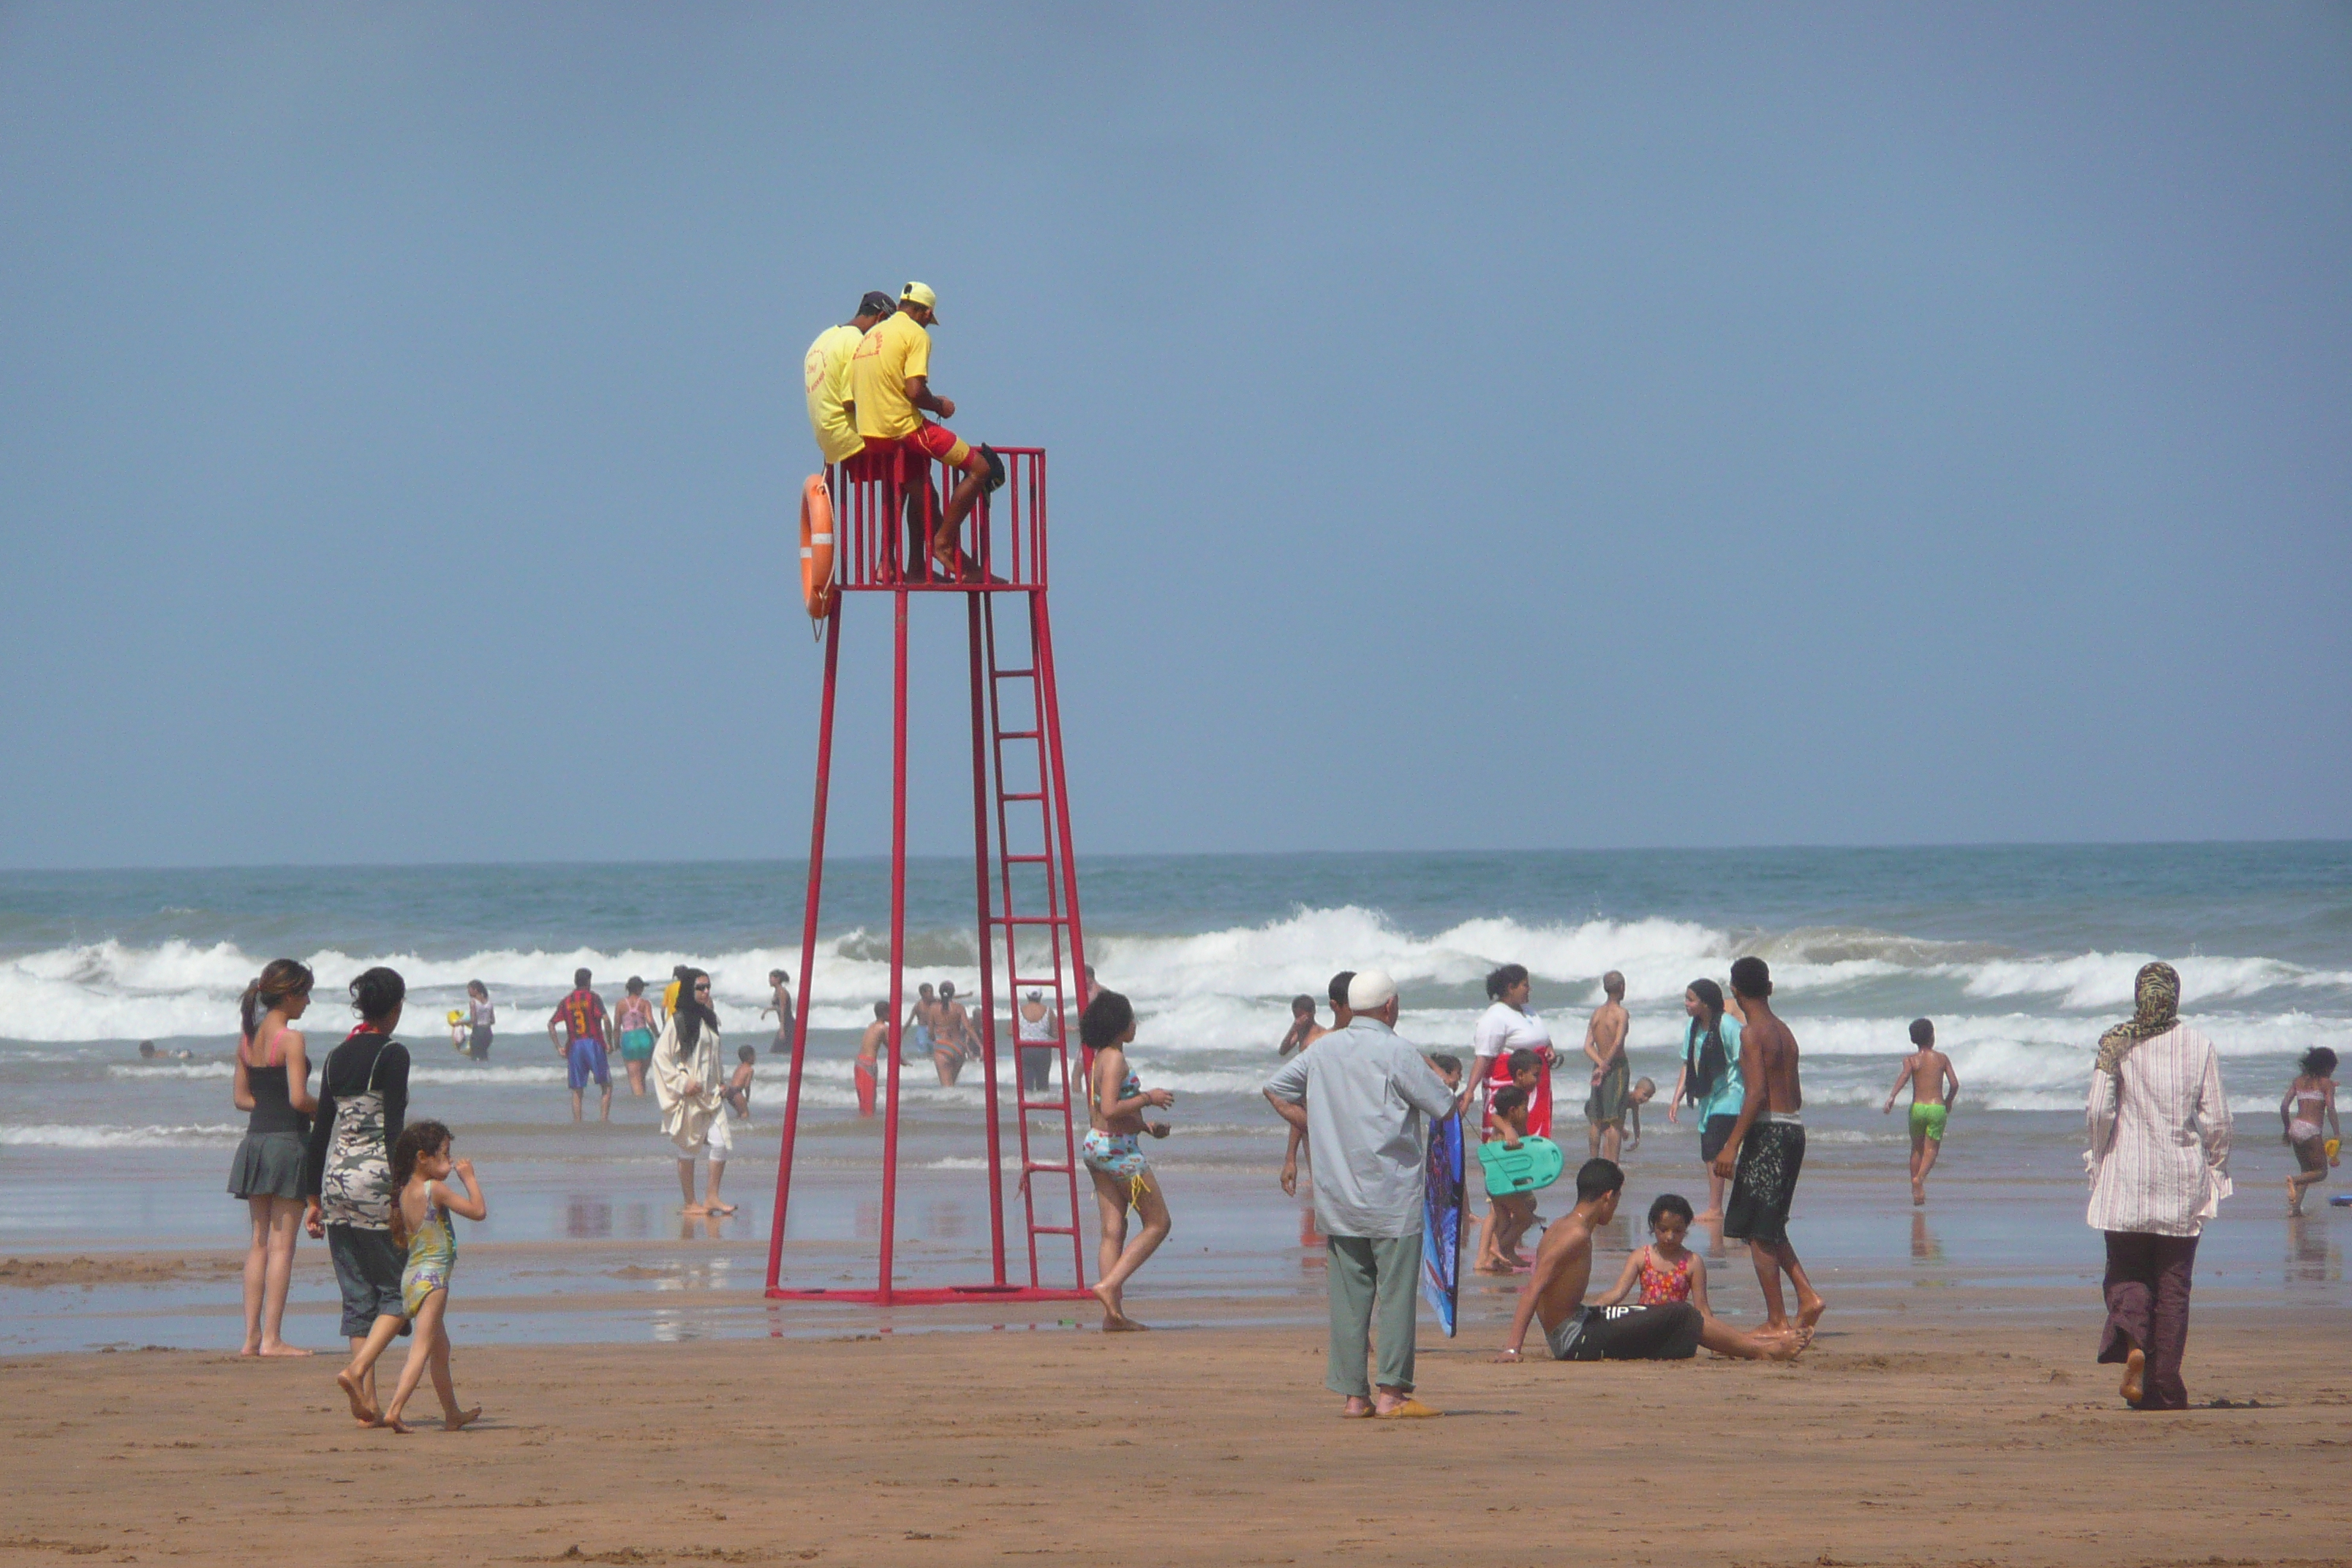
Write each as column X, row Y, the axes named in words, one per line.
column 1664, row 1271
column 422, row 1204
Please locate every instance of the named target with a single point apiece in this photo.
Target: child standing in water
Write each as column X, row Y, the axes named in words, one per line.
column 2308, row 1097
column 1933, row 1087
column 738, row 1092
column 633, row 1020
column 421, row 1169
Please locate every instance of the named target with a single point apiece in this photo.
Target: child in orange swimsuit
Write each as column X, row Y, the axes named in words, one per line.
column 1665, row 1271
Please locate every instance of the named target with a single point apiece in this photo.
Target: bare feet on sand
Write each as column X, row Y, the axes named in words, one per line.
column 1810, row 1312
column 1918, row 1197
column 362, row 1411
column 696, row 1210
column 1115, row 1318
column 2135, row 1377
column 454, row 1419
column 718, row 1208
column 280, row 1348
column 1787, row 1343
column 391, row 1423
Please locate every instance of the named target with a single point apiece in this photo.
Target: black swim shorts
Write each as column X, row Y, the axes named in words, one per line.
column 1713, row 1134
column 1669, row 1332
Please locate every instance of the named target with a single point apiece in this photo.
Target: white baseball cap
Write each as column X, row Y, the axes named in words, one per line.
column 1371, row 990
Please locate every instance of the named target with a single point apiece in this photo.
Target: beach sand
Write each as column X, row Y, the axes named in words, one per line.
column 1926, row 1437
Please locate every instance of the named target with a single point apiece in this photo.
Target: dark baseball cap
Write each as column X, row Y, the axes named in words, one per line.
column 877, row 303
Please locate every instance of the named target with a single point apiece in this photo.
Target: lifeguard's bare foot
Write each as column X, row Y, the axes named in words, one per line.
column 362, row 1411
column 454, row 1419
column 2135, row 1377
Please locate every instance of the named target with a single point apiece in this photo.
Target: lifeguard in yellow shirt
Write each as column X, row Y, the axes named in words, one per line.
column 830, row 412
column 891, row 384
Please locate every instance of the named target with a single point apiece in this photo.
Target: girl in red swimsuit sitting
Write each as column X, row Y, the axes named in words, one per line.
column 1665, row 1270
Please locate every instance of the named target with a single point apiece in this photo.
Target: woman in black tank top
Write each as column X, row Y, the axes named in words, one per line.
column 273, row 1083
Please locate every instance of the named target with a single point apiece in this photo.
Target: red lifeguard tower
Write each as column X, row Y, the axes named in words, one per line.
column 1024, row 878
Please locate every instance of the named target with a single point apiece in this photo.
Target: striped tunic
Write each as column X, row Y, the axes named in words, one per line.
column 2160, row 1155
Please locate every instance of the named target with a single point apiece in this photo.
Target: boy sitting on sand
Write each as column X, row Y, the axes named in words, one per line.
column 1575, row 1332
column 738, row 1092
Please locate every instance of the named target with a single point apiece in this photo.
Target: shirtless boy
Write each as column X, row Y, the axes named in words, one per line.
column 1766, row 1150
column 1604, row 1046
column 738, row 1092
column 1933, row 1087
column 1574, row 1331
column 869, row 1049
column 1304, row 1030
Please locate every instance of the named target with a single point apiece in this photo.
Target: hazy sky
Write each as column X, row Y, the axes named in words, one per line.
column 1542, row 426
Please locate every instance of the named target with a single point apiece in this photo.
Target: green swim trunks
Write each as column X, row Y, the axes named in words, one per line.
column 1929, row 1119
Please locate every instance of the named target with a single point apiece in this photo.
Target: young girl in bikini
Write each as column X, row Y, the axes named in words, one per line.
column 1665, row 1270
column 2309, row 1098
column 1116, row 1101
column 421, row 1169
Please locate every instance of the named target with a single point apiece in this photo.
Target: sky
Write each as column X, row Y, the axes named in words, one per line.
column 1556, row 427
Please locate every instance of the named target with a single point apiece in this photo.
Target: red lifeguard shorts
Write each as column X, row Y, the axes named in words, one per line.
column 935, row 442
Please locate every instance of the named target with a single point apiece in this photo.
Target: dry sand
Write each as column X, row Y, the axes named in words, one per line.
column 1989, row 1438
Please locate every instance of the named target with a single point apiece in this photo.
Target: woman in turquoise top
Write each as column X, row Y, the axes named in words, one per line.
column 424, row 1201
column 1709, row 1081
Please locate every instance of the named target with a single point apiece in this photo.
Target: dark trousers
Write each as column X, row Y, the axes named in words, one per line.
column 2148, row 1309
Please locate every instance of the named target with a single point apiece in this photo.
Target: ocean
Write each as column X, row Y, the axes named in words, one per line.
column 2021, row 955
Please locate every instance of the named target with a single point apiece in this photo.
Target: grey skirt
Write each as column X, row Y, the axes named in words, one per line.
column 268, row 1165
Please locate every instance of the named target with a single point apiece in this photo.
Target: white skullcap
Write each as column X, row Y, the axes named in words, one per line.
column 1370, row 991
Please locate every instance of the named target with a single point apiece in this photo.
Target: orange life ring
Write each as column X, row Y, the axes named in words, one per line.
column 817, row 547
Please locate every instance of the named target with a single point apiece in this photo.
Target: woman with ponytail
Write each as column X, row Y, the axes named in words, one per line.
column 688, row 1073
column 273, row 1083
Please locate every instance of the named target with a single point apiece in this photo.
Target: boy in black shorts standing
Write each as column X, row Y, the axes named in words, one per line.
column 1767, row 1150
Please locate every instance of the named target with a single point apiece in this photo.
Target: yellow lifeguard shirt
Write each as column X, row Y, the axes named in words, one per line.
column 896, row 348
column 827, row 371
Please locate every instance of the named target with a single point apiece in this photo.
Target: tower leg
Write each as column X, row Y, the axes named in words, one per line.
column 808, row 945
column 987, row 965
column 897, row 933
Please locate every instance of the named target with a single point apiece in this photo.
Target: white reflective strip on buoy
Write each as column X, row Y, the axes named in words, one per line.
column 820, row 538
column 806, row 552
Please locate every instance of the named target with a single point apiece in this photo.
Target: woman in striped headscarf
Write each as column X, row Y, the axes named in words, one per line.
column 2159, row 1169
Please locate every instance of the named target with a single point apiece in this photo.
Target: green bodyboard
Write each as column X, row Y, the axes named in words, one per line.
column 1534, row 1165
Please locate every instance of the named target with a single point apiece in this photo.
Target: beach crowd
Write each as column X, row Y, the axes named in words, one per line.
column 1360, row 1104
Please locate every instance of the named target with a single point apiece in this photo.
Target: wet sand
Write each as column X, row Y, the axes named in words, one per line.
column 1926, row 1437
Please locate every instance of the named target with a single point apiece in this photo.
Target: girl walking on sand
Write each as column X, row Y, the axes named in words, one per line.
column 1115, row 1101
column 2308, row 1097
column 272, row 1082
column 421, row 1169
